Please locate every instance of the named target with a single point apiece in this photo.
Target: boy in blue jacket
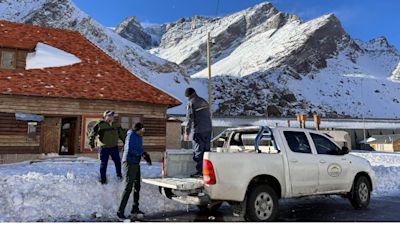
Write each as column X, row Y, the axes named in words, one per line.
column 133, row 152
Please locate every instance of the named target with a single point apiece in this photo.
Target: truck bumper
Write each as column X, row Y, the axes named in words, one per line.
column 198, row 199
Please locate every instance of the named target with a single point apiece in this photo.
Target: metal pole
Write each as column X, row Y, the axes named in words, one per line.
column 363, row 104
column 209, row 70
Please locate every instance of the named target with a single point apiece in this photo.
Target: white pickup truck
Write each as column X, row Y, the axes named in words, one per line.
column 251, row 168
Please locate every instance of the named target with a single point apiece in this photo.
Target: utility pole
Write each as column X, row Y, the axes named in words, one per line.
column 209, row 42
column 363, row 116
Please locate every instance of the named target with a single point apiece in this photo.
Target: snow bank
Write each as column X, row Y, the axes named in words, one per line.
column 47, row 56
column 387, row 170
column 64, row 190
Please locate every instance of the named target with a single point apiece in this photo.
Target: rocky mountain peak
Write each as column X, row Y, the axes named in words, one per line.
column 379, row 43
column 132, row 30
column 129, row 21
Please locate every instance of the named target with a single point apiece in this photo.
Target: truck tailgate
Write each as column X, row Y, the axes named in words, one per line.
column 183, row 184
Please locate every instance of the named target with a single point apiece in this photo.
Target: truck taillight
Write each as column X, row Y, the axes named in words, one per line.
column 208, row 173
column 162, row 167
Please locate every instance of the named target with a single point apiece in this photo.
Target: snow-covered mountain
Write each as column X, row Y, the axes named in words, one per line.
column 65, row 14
column 266, row 62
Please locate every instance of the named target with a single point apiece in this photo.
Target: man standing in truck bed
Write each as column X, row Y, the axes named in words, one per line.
column 198, row 118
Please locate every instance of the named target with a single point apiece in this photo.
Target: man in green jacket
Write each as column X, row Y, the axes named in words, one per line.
column 105, row 135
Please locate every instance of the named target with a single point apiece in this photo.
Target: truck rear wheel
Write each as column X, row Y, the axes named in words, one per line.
column 361, row 193
column 262, row 204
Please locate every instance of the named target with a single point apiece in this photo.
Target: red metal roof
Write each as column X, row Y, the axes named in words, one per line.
column 97, row 76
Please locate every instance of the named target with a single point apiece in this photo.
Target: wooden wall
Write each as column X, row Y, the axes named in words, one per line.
column 13, row 136
column 154, row 116
column 76, row 107
column 396, row 146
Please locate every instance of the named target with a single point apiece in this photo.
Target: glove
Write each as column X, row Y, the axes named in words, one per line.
column 146, row 157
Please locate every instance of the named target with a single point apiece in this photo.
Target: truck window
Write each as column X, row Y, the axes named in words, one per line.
column 297, row 142
column 324, row 145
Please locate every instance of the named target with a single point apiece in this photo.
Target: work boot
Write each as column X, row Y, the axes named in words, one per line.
column 137, row 214
column 121, row 216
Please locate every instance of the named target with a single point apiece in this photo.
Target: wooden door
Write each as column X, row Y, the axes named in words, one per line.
column 51, row 134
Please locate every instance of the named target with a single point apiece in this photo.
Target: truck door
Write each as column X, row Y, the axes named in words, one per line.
column 333, row 165
column 303, row 165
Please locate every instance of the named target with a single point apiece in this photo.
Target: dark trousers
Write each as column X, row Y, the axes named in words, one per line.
column 105, row 153
column 132, row 181
column 201, row 143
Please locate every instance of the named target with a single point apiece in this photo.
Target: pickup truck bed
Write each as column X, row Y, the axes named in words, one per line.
column 181, row 184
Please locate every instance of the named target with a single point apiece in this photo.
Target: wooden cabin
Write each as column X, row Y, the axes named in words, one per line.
column 386, row 143
column 51, row 110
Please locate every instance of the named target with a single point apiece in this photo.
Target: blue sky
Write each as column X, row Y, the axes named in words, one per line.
column 362, row 19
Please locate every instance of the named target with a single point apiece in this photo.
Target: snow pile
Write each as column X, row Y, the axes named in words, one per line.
column 47, row 56
column 387, row 170
column 67, row 189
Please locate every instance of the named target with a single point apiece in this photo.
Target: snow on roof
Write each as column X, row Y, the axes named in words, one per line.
column 47, row 56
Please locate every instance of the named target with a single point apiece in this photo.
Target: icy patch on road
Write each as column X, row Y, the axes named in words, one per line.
column 68, row 190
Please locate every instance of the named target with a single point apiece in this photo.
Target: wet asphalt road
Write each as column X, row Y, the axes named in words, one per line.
column 316, row 209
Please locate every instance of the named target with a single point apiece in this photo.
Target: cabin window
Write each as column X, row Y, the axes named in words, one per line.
column 128, row 121
column 8, row 60
column 32, row 131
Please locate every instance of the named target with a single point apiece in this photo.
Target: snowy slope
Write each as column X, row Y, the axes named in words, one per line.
column 68, row 189
column 64, row 14
column 266, row 50
column 396, row 73
column 315, row 61
column 185, row 41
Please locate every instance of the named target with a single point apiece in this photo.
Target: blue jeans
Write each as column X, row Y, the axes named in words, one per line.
column 105, row 153
column 201, row 143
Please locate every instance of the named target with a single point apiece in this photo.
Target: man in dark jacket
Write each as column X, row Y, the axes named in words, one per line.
column 198, row 118
column 133, row 152
column 105, row 135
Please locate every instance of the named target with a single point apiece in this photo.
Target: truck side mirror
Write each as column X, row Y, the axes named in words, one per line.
column 345, row 150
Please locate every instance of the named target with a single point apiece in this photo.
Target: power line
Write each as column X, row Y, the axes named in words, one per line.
column 217, row 10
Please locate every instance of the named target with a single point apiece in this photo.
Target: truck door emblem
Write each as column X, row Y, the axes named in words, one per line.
column 334, row 170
